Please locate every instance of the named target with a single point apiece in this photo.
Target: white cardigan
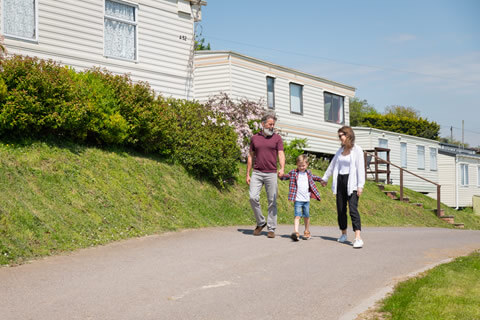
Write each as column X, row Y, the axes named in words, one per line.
column 356, row 175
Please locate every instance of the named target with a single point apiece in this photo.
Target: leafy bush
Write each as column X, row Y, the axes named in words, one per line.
column 293, row 149
column 40, row 95
column 204, row 143
column 296, row 147
column 317, row 163
column 43, row 98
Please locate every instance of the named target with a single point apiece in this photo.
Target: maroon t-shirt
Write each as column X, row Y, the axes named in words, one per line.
column 266, row 151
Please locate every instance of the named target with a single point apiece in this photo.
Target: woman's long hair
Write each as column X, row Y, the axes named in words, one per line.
column 350, row 141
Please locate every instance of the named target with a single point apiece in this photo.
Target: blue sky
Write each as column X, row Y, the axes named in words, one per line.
column 423, row 54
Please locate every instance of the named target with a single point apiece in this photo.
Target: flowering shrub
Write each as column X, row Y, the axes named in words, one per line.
column 244, row 116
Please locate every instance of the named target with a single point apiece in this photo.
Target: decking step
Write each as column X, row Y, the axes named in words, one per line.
column 442, row 212
column 381, row 187
column 449, row 219
column 459, row 225
column 418, row 204
column 390, row 194
column 405, row 199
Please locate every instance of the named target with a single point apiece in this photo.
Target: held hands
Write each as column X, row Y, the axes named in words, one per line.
column 359, row 191
column 280, row 173
column 323, row 183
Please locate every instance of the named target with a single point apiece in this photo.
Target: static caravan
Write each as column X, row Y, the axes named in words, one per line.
column 152, row 40
column 307, row 106
column 415, row 154
column 459, row 173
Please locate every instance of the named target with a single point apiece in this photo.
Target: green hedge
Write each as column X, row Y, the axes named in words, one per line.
column 39, row 98
column 415, row 127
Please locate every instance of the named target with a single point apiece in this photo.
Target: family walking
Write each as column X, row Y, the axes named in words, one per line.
column 346, row 168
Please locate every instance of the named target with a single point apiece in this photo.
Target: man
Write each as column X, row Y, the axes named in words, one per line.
column 265, row 148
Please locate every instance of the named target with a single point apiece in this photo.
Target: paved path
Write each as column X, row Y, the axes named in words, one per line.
column 225, row 273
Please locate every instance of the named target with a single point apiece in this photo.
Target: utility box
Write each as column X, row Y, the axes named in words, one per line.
column 476, row 204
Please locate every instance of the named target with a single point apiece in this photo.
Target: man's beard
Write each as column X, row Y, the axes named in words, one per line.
column 268, row 132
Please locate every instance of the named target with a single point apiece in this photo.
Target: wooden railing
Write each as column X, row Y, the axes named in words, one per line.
column 379, row 160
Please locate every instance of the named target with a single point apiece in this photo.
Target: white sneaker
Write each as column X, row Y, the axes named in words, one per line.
column 358, row 243
column 342, row 238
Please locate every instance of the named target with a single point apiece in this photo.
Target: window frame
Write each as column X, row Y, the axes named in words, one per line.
column 343, row 107
column 419, row 147
column 301, row 97
column 436, row 159
column 464, row 181
column 14, row 37
column 134, row 23
column 273, row 92
column 478, row 176
column 402, row 156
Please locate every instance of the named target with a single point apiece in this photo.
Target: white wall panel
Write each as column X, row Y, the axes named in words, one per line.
column 447, row 179
column 467, row 192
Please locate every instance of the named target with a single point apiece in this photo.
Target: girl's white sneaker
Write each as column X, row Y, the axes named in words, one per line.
column 358, row 243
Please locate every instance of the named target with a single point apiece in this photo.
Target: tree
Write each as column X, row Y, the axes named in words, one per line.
column 199, row 40
column 403, row 112
column 358, row 110
column 453, row 141
column 200, row 45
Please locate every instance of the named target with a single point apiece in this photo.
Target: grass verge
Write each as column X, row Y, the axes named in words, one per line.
column 449, row 291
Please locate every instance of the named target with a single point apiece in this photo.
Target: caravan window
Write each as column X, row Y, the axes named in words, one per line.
column 296, row 98
column 120, row 33
column 433, row 159
column 403, row 154
column 333, row 108
column 20, row 19
column 271, row 93
column 464, row 174
column 420, row 157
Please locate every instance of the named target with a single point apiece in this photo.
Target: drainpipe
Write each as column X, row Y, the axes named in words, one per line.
column 456, row 182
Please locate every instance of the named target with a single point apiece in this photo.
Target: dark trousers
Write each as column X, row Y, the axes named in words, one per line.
column 342, row 199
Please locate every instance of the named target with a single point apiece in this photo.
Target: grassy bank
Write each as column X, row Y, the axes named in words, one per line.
column 57, row 196
column 449, row 291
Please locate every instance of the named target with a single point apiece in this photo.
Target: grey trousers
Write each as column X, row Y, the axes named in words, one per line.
column 257, row 180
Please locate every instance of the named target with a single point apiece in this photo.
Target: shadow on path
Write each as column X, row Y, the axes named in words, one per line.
column 249, row 232
column 349, row 243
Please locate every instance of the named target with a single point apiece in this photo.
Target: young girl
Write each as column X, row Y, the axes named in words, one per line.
column 302, row 188
column 348, row 171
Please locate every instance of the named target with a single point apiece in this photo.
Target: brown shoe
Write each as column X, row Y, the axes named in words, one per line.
column 259, row 229
column 271, row 234
column 295, row 236
column 306, row 235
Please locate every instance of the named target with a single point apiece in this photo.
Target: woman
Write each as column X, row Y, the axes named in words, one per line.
column 348, row 170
